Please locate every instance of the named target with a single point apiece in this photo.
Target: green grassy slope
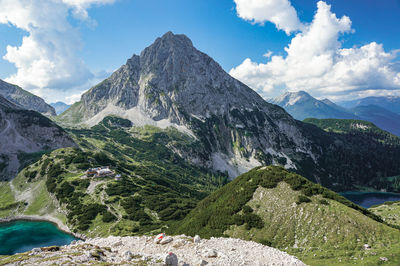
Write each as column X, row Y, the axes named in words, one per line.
column 156, row 185
column 346, row 126
column 273, row 206
column 389, row 212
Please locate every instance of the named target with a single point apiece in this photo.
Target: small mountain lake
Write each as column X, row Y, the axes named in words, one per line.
column 368, row 199
column 21, row 236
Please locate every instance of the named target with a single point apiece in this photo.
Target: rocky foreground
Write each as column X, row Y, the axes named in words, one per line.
column 178, row 250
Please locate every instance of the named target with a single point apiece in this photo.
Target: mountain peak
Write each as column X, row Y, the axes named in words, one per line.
column 170, row 36
column 168, row 43
column 291, row 98
column 302, row 105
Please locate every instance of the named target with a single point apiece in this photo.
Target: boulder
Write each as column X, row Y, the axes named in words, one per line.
column 202, row 263
column 179, row 243
column 196, row 239
column 128, row 255
column 166, row 240
column 36, row 251
column 211, row 253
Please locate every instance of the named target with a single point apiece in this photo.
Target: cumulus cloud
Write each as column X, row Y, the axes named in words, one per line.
column 80, row 6
column 316, row 62
column 47, row 59
column 279, row 12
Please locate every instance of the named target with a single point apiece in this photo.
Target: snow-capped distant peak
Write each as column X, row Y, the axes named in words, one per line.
column 291, row 98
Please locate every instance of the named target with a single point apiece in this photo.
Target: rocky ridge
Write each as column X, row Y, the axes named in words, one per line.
column 181, row 250
column 25, row 99
column 23, row 132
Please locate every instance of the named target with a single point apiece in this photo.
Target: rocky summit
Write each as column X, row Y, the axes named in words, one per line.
column 171, row 83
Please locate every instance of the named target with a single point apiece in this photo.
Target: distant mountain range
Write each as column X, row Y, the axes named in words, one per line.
column 390, row 103
column 60, row 107
column 379, row 110
column 25, row 99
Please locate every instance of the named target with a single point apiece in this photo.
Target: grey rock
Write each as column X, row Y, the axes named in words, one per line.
column 196, row 239
column 211, row 253
column 36, row 251
column 117, row 244
column 166, row 240
column 179, row 243
column 128, row 255
column 202, row 263
column 383, row 259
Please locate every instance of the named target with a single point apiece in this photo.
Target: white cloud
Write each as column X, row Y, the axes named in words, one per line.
column 317, row 63
column 47, row 59
column 71, row 99
column 81, row 6
column 279, row 12
column 268, row 54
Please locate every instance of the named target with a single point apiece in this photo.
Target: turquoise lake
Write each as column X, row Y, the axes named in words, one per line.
column 367, row 199
column 21, row 236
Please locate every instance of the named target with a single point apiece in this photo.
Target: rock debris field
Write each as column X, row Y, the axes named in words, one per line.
column 147, row 250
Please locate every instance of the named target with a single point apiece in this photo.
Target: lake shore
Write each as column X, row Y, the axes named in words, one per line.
column 36, row 218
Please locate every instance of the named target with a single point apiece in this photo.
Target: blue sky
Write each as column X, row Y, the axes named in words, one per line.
column 113, row 31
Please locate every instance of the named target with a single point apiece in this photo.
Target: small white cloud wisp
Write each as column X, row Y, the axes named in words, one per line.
column 316, row 62
column 47, row 59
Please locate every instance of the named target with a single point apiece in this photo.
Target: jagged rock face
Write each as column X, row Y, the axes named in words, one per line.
column 25, row 131
column 172, row 83
column 25, row 99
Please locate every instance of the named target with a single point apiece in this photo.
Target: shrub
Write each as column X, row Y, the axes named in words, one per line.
column 247, row 209
column 108, row 217
column 323, row 201
column 54, row 171
column 238, row 219
column 265, row 242
column 43, row 168
column 253, row 220
column 302, row 198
